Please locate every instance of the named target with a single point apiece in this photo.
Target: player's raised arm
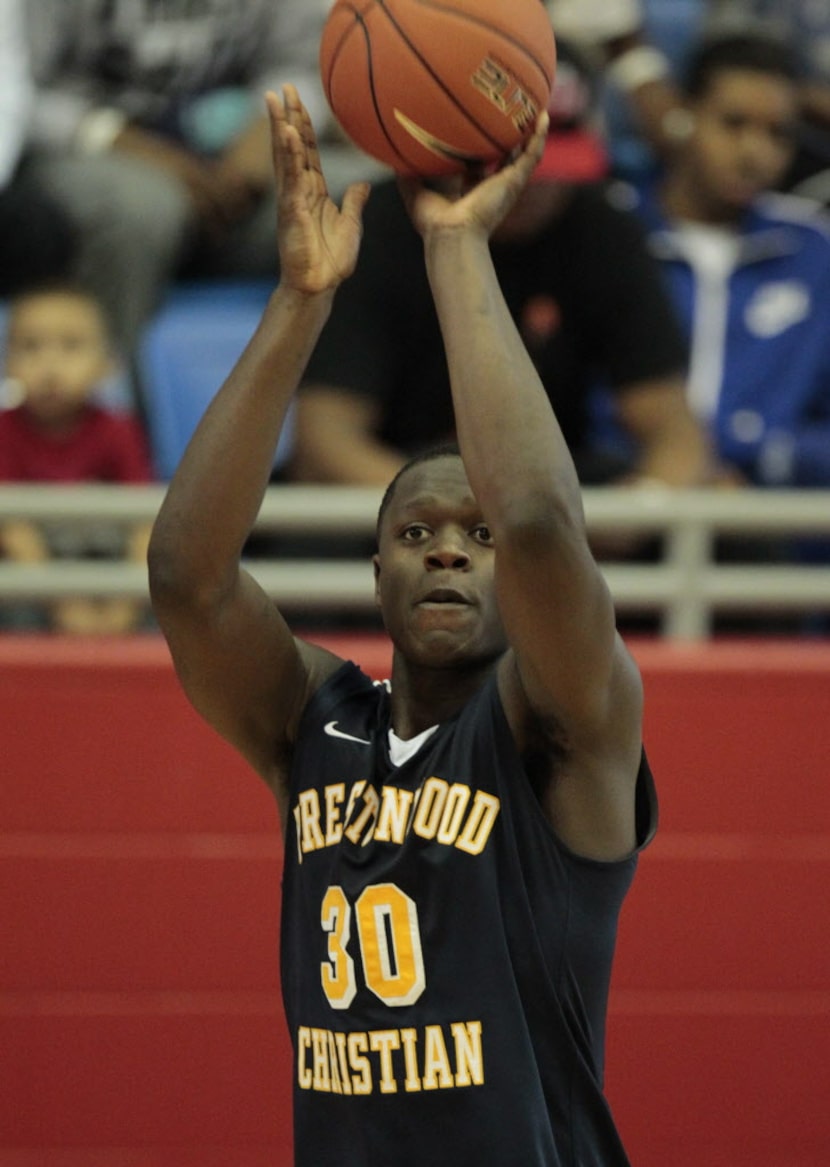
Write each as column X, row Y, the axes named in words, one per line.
column 235, row 656
column 568, row 668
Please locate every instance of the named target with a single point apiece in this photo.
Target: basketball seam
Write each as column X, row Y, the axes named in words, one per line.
column 448, row 93
column 378, row 112
column 335, row 52
column 361, row 23
column 503, row 33
column 436, row 5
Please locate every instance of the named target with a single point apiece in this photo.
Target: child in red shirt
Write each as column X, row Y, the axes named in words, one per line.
column 57, row 355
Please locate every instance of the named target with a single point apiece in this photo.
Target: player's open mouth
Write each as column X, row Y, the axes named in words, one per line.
column 443, row 597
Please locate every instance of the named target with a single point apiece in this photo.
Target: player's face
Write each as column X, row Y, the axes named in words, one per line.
column 435, row 569
column 743, row 139
column 57, row 351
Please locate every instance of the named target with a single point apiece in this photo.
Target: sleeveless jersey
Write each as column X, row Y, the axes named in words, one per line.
column 445, row 958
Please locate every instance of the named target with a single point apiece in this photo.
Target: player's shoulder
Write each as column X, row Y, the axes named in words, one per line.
column 341, row 700
column 329, row 676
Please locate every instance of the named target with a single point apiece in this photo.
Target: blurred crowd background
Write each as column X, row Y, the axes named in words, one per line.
column 668, row 266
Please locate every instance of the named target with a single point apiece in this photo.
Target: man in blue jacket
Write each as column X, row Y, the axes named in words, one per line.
column 749, row 269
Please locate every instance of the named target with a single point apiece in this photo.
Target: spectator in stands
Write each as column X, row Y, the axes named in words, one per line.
column 645, row 47
column 749, row 270
column 579, row 282
column 35, row 237
column 149, row 129
column 58, row 353
column 806, row 25
column 639, row 48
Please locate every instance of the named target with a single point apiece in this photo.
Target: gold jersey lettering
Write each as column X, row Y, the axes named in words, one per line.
column 320, row 1061
column 383, row 1042
column 334, row 1064
column 334, row 797
column 458, row 796
column 409, row 1044
column 358, row 1044
column 437, row 1072
column 305, row 1078
column 469, row 1061
column 393, row 817
column 365, row 820
column 311, row 837
column 479, row 824
column 354, row 794
column 388, row 1061
column 430, row 807
column 343, row 1062
column 453, row 815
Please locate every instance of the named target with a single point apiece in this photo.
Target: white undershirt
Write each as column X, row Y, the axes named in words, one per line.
column 401, row 751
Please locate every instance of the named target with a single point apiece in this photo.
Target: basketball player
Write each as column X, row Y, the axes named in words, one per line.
column 457, row 843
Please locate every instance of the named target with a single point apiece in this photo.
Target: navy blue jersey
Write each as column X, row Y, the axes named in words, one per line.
column 445, row 959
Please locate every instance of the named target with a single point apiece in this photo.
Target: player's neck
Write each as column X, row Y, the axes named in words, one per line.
column 426, row 696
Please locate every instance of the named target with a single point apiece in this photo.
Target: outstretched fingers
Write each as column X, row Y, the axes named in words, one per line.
column 354, row 200
column 285, row 144
column 300, row 119
column 296, row 158
column 529, row 157
column 312, row 152
column 498, row 193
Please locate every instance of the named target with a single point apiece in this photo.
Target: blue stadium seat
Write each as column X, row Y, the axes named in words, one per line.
column 188, row 350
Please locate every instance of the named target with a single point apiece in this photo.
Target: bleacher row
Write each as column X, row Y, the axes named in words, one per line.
column 190, row 347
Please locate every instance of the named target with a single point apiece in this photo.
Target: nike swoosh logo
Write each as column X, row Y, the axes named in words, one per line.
column 332, row 730
column 433, row 144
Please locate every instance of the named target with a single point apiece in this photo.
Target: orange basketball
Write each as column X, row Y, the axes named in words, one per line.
column 432, row 86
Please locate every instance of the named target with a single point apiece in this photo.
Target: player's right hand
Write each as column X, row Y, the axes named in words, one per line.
column 480, row 207
column 318, row 242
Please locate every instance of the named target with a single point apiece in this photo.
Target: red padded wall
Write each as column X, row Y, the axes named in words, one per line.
column 140, row 1023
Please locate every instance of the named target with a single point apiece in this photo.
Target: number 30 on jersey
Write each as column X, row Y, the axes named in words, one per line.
column 389, row 940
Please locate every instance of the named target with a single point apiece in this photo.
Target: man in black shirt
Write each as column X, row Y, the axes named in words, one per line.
column 579, row 283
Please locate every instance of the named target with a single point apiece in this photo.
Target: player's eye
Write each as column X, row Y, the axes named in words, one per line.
column 481, row 532
column 414, row 533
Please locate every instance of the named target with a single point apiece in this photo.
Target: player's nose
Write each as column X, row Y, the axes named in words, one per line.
column 448, row 551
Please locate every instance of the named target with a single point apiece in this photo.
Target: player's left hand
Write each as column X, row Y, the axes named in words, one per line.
column 318, row 242
column 467, row 203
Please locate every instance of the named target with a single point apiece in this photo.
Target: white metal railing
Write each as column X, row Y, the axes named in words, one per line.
column 686, row 586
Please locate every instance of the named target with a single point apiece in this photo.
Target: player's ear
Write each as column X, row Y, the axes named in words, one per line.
column 376, row 570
